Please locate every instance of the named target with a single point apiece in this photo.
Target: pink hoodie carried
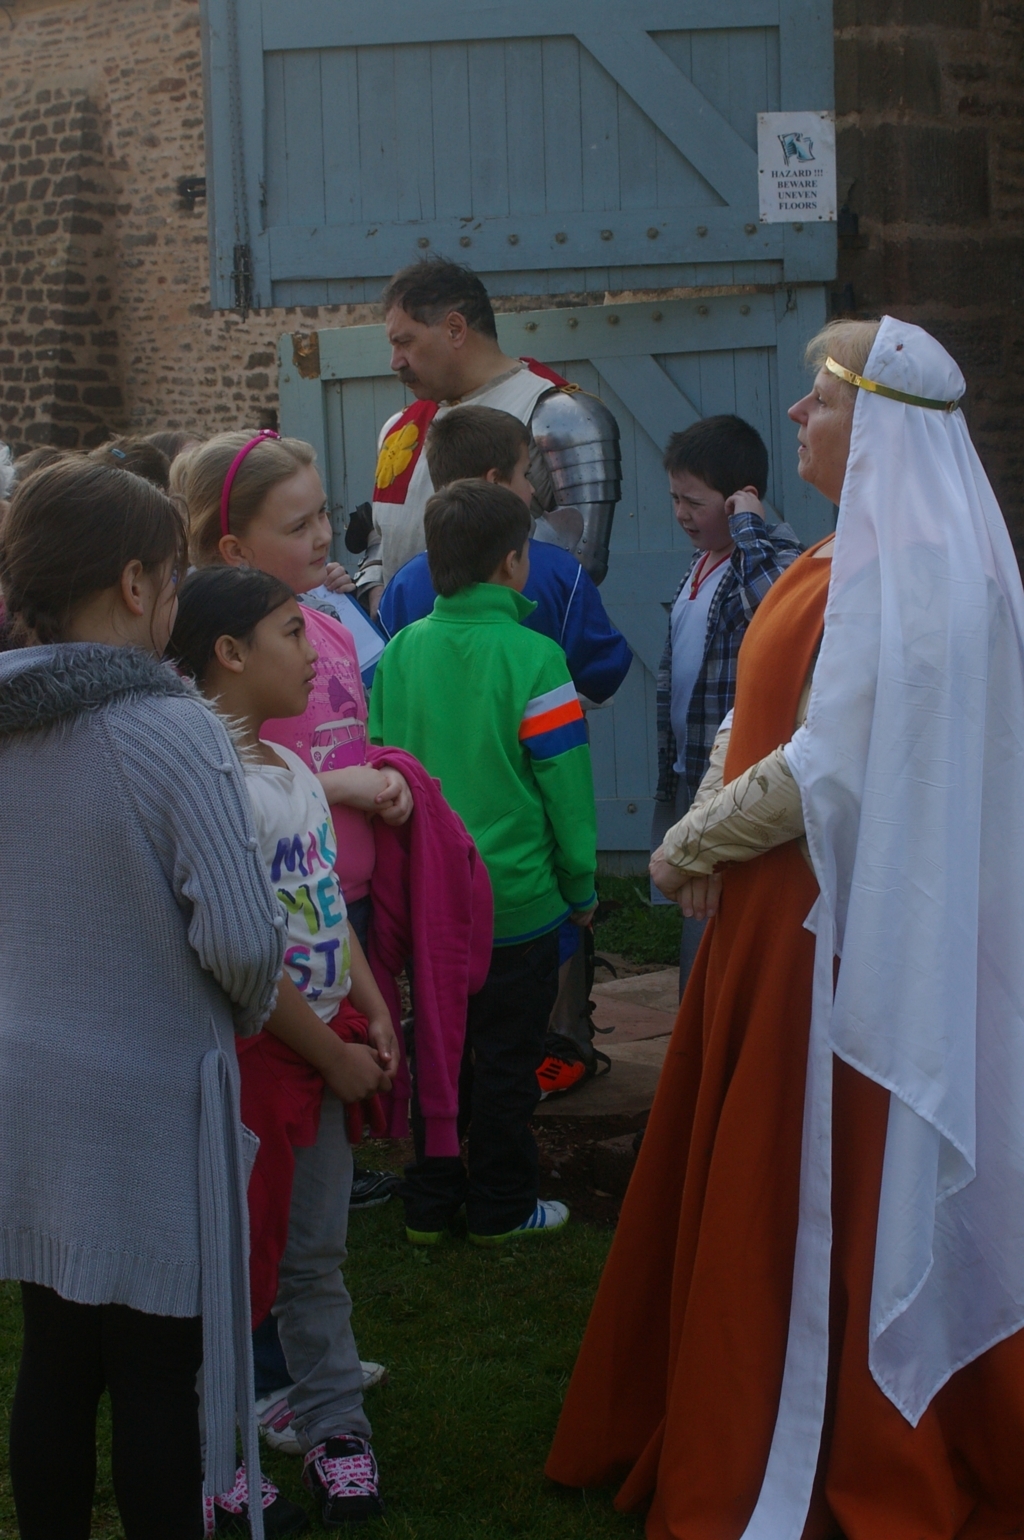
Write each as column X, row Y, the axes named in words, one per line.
column 432, row 904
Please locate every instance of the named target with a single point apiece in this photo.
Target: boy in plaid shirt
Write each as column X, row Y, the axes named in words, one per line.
column 717, row 475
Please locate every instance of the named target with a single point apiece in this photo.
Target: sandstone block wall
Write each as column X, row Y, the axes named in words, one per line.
column 930, row 120
column 105, row 322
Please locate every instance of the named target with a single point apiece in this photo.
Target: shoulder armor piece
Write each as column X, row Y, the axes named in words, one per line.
column 578, row 439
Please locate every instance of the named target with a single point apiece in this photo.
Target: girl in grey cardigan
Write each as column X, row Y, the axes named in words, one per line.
column 139, row 933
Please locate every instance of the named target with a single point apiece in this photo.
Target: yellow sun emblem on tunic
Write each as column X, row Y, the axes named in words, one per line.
column 395, row 453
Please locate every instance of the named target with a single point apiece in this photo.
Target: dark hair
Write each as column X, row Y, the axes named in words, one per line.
column 137, row 456
column 472, row 440
column 470, row 527
column 432, row 288
column 47, row 454
column 724, row 452
column 71, row 530
column 171, row 441
column 220, row 601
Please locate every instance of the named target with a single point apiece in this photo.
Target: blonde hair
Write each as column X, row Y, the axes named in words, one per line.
column 848, row 342
column 198, row 476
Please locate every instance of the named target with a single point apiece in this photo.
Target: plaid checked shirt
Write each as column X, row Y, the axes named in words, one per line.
column 760, row 556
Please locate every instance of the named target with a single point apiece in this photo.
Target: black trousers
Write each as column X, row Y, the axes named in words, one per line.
column 498, row 1091
column 71, row 1353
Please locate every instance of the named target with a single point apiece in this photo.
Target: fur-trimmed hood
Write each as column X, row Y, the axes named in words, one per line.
column 43, row 687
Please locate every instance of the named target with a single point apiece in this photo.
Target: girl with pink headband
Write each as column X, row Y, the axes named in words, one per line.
column 256, row 500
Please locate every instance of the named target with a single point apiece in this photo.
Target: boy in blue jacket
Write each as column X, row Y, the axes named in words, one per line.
column 481, row 443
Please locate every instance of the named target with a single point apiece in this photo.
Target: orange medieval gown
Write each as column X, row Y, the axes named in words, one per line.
column 676, row 1388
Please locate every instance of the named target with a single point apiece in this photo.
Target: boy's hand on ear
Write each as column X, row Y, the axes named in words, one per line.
column 338, row 579
column 745, row 500
column 394, row 802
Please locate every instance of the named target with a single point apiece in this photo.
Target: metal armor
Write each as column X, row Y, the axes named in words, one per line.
column 577, row 464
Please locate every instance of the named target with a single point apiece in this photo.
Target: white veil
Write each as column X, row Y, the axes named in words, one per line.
column 911, row 770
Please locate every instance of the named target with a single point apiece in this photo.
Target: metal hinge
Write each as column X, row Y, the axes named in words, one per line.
column 241, row 277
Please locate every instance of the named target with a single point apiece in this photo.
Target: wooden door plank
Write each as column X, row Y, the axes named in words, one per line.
column 488, row 148
column 674, row 104
column 339, row 90
column 326, row 24
column 562, row 169
column 599, row 115
column 524, row 111
column 653, row 400
column 414, row 133
column 377, row 160
column 304, row 141
column 453, row 189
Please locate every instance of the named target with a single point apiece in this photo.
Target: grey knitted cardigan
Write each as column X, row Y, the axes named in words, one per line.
column 138, row 933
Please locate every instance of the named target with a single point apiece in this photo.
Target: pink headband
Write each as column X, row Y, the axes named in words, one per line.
column 229, row 479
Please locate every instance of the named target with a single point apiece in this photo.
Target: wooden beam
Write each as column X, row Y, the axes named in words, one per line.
column 514, row 242
column 685, row 116
column 289, row 24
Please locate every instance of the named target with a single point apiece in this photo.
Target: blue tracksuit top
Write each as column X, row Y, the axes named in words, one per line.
column 569, row 610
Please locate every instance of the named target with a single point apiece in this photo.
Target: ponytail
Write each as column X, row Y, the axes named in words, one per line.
column 71, row 530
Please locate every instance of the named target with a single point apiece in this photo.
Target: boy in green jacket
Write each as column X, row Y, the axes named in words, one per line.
column 489, row 708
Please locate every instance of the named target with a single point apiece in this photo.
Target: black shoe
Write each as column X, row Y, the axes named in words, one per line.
column 228, row 1514
column 371, row 1188
column 342, row 1475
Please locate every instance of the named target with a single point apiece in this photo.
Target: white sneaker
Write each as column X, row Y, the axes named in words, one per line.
column 275, row 1415
column 548, row 1215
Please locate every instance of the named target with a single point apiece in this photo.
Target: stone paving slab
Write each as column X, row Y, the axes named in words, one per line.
column 627, row 1091
column 638, row 1007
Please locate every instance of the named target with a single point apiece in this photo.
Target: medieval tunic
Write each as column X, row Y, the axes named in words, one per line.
column 676, row 1392
column 403, row 486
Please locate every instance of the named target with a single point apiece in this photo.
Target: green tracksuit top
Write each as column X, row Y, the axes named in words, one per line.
column 489, row 708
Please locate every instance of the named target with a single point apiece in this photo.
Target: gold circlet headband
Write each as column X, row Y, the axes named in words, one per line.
column 887, row 390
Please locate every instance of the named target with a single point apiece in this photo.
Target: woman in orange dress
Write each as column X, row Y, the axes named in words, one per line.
column 762, row 1361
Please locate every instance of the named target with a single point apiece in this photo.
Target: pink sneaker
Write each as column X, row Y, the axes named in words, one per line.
column 342, row 1475
column 228, row 1512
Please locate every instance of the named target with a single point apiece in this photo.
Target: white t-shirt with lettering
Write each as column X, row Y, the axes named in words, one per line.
column 296, row 835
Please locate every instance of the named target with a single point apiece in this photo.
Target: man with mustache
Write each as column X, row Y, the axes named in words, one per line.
column 444, row 348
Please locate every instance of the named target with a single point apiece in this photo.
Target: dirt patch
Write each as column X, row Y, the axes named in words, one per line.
column 566, row 1148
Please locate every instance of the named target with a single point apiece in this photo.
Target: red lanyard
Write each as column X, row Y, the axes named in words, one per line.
column 701, row 572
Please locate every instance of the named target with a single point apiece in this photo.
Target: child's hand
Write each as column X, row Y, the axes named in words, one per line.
column 354, row 1073
column 395, row 803
column 744, row 501
column 356, row 786
column 384, row 1042
column 583, row 917
column 338, row 579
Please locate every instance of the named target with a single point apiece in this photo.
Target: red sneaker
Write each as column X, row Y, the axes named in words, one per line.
column 559, row 1075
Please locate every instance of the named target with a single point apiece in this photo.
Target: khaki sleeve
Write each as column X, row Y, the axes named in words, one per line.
column 714, row 778
column 741, row 820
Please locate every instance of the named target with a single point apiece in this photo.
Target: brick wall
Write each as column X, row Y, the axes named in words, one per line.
column 104, row 315
column 930, row 119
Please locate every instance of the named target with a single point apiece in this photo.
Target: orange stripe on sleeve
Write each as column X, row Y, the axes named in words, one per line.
column 572, row 711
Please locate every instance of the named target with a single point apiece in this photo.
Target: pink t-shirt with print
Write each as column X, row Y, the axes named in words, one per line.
column 330, row 735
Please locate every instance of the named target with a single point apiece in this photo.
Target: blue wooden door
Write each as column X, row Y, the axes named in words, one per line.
column 659, row 365
column 597, row 155
column 558, row 146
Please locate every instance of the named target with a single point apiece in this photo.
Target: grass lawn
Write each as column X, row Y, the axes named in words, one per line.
column 634, row 927
column 480, row 1346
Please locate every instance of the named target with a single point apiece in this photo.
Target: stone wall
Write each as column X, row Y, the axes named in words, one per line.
column 105, row 321
column 930, row 119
